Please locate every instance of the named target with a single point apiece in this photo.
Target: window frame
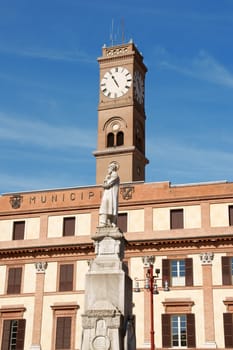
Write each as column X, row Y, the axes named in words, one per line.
column 227, row 270
column 64, row 310
column 115, row 139
column 67, row 220
column 178, row 272
column 123, row 222
column 167, row 275
column 176, row 219
column 230, row 215
column 120, row 138
column 167, row 329
column 63, row 285
column 110, row 139
column 228, row 329
column 17, row 232
column 178, row 319
column 63, row 339
column 7, row 325
column 14, row 273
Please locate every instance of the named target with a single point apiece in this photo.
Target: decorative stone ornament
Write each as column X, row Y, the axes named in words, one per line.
column 16, row 201
column 41, row 266
column 148, row 260
column 207, row 258
column 127, row 192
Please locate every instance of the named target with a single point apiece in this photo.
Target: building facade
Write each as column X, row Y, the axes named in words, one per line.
column 46, row 245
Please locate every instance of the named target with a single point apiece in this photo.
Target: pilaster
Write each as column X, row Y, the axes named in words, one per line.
column 41, row 267
column 206, row 259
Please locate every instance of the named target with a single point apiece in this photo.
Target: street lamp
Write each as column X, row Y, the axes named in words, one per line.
column 150, row 284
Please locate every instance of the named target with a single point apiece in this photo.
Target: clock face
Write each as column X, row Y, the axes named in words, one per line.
column 138, row 87
column 116, row 82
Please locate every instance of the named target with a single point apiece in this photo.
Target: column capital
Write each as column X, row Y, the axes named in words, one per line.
column 207, row 258
column 41, row 266
column 148, row 260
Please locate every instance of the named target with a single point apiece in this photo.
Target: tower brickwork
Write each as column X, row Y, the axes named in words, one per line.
column 121, row 113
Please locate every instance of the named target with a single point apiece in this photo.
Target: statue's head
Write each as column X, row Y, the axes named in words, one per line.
column 113, row 166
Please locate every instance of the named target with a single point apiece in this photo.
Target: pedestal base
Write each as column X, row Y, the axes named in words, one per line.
column 210, row 345
column 35, row 347
column 107, row 322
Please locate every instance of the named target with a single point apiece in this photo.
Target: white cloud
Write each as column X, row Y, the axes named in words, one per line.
column 45, row 135
column 49, row 54
column 17, row 183
column 181, row 162
column 203, row 67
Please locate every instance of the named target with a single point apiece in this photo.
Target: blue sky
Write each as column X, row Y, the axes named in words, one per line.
column 49, row 80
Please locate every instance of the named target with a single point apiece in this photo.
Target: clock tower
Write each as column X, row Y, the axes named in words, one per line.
column 121, row 113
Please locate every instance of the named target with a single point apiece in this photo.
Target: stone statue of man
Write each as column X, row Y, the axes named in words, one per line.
column 109, row 204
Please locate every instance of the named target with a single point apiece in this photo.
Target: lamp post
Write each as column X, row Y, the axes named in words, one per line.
column 150, row 284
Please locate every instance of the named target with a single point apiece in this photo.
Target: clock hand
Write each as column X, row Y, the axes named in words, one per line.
column 113, row 78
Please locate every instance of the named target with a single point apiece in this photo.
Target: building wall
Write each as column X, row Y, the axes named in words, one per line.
column 206, row 229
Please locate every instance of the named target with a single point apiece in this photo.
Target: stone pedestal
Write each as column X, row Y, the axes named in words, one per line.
column 35, row 347
column 108, row 323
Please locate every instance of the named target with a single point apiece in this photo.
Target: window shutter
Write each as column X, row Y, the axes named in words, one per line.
column 20, row 334
column 63, row 333
column 18, row 230
column 176, row 219
column 6, row 335
column 166, row 271
column 69, row 226
column 226, row 270
column 14, row 280
column 231, row 215
column 166, row 330
column 66, row 277
column 122, row 222
column 228, row 330
column 191, row 334
column 189, row 272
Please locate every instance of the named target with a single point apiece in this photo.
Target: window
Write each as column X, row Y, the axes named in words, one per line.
column 176, row 218
column 227, row 270
column 64, row 329
column 114, row 140
column 178, row 272
column 139, row 136
column 231, row 215
column 13, row 335
column 69, row 226
column 18, row 230
column 120, row 138
column 122, row 222
column 110, row 140
column 228, row 329
column 66, row 277
column 14, row 280
column 63, row 333
column 178, row 331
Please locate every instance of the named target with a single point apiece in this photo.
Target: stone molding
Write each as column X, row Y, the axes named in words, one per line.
column 107, row 231
column 112, row 318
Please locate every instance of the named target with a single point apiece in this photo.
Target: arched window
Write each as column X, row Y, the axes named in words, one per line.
column 110, row 140
column 120, row 138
